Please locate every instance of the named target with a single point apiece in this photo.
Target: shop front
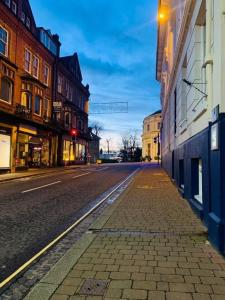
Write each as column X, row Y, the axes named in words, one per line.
column 33, row 149
column 5, row 148
column 73, row 152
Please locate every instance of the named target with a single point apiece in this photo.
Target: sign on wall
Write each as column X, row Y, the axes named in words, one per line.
column 5, row 145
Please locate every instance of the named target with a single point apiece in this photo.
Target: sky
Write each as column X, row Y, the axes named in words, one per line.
column 116, row 45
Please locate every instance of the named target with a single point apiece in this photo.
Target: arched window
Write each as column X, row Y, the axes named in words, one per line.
column 6, row 91
column 26, row 98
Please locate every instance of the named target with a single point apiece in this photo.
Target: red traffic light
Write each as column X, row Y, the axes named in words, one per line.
column 73, row 132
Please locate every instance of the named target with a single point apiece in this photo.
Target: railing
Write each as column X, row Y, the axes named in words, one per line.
column 23, row 111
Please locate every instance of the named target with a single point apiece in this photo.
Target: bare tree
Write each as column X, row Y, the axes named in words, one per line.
column 97, row 127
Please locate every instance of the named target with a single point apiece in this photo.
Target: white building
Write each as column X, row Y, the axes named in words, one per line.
column 191, row 46
column 151, row 136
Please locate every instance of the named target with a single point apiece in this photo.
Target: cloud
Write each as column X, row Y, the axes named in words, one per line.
column 116, row 44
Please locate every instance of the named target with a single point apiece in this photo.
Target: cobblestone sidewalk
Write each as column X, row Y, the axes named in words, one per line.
column 148, row 245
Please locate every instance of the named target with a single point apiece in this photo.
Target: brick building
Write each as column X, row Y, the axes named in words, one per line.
column 30, row 74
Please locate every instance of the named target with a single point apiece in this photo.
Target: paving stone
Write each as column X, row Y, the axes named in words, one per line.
column 164, row 270
column 129, row 269
column 178, row 296
column 72, row 281
column 59, row 297
column 102, row 275
column 144, row 285
column 138, row 276
column 134, row 294
column 182, row 287
column 201, row 296
column 203, row 288
column 219, row 289
column 66, row 290
column 120, row 284
column 163, row 286
column 156, row 295
column 113, row 293
column 120, row 275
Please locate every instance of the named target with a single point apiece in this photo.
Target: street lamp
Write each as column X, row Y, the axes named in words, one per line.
column 163, row 14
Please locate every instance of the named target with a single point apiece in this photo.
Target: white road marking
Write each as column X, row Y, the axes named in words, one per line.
column 30, row 261
column 102, row 169
column 41, row 187
column 81, row 175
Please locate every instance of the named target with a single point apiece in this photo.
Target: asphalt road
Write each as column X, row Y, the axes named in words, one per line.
column 35, row 210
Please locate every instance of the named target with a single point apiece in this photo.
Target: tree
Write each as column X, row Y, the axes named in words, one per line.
column 97, row 128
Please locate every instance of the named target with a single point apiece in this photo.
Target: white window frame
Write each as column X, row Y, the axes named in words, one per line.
column 14, row 7
column 30, row 62
column 35, row 68
column 23, row 16
column 46, row 74
column 6, row 43
column 28, row 22
column 60, row 84
column 8, row 3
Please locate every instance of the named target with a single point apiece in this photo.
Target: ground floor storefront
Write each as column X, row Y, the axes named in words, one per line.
column 198, row 169
column 73, row 152
column 24, row 146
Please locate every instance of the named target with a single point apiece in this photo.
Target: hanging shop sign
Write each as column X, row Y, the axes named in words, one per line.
column 215, row 137
column 57, row 105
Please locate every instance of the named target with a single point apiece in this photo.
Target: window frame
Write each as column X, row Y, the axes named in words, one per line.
column 30, row 100
column 46, row 67
column 35, row 58
column 6, row 43
column 7, row 3
column 60, row 84
column 14, row 7
column 30, row 62
column 40, row 106
column 11, row 90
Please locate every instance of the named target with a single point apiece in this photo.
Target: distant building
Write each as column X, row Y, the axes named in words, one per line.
column 190, row 68
column 94, row 146
column 150, row 135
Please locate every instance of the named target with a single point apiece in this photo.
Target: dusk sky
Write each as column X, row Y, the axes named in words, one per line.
column 116, row 44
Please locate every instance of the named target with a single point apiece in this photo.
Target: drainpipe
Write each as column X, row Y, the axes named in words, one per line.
column 208, row 65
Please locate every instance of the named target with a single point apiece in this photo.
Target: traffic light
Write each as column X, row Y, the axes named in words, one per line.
column 74, row 133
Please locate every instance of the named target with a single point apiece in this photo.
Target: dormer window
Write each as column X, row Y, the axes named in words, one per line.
column 28, row 22
column 8, row 2
column 23, row 17
column 14, row 7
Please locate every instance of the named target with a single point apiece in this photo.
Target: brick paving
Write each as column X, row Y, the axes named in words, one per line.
column 152, row 247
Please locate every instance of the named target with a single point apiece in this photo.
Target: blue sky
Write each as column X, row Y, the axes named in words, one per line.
column 116, row 44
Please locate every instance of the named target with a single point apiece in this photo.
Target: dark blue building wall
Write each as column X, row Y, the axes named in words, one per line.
column 212, row 211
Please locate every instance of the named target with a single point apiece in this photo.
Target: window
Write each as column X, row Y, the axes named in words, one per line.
column 60, row 83
column 6, row 92
column 148, row 127
column 159, row 125
column 26, row 100
column 46, row 107
column 3, row 41
column 27, row 61
column 46, row 74
column 14, row 7
column 37, row 105
column 196, row 176
column 35, row 66
column 23, row 17
column 67, row 118
column 181, row 173
column 48, row 42
column 8, row 2
column 28, row 22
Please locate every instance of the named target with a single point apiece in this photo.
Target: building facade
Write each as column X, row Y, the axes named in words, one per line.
column 70, row 111
column 30, row 65
column 151, row 137
column 190, row 68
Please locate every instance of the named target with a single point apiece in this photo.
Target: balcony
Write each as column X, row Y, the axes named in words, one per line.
column 23, row 111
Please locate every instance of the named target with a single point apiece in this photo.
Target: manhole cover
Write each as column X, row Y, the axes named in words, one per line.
column 94, row 287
